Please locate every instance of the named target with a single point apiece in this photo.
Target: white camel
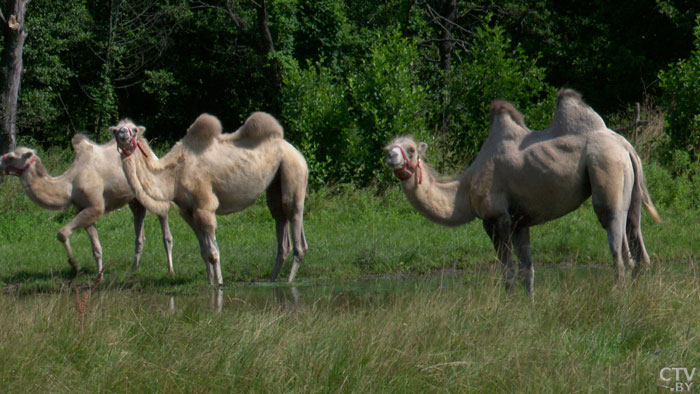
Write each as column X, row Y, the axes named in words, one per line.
column 522, row 178
column 209, row 173
column 94, row 184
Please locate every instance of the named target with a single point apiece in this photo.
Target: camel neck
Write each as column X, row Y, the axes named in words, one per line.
column 152, row 182
column 443, row 202
column 45, row 190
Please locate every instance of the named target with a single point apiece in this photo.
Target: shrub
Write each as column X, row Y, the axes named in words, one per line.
column 494, row 70
column 680, row 84
column 341, row 123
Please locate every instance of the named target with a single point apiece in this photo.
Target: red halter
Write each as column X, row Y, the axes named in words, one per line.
column 12, row 170
column 408, row 169
column 128, row 151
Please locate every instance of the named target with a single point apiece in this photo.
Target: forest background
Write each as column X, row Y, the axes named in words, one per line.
column 345, row 76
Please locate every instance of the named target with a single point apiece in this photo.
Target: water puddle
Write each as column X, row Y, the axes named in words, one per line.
column 368, row 293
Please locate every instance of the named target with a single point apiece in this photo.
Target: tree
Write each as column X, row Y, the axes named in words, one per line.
column 15, row 36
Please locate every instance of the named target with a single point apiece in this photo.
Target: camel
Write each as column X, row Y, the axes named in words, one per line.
column 94, row 185
column 522, row 178
column 209, row 173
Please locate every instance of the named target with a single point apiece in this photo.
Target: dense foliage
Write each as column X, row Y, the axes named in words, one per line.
column 344, row 76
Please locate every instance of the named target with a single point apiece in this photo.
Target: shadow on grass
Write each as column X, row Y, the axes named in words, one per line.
column 37, row 282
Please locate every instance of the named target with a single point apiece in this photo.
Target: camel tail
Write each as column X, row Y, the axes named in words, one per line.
column 205, row 126
column 260, row 126
column 642, row 186
column 499, row 107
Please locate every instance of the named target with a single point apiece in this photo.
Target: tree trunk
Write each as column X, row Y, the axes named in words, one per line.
column 14, row 35
column 268, row 48
column 447, row 9
column 444, row 22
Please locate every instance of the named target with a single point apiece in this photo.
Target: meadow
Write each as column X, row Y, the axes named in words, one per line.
column 384, row 302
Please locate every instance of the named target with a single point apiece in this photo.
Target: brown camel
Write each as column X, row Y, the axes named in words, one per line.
column 209, row 173
column 522, row 178
column 94, row 184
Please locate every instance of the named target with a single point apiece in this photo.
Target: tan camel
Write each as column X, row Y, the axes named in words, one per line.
column 209, row 173
column 94, row 184
column 522, row 178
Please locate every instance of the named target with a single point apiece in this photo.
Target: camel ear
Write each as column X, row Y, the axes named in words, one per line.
column 422, row 148
column 140, row 130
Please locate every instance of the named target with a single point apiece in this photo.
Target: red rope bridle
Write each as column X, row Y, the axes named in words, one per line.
column 408, row 169
column 128, row 151
column 16, row 171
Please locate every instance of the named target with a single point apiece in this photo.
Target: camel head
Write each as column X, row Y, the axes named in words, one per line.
column 403, row 156
column 18, row 161
column 126, row 133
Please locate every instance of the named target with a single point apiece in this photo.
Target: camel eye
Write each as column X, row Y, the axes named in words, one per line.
column 411, row 150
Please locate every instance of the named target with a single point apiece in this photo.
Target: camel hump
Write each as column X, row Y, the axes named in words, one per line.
column 565, row 93
column 78, row 139
column 573, row 115
column 501, row 107
column 205, row 126
column 81, row 144
column 259, row 126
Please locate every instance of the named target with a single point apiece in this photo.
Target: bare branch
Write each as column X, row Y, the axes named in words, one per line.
column 238, row 22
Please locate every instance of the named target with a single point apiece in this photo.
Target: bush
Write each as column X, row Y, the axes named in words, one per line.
column 680, row 84
column 494, row 70
column 341, row 123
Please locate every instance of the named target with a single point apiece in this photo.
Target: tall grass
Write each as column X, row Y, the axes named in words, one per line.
column 583, row 334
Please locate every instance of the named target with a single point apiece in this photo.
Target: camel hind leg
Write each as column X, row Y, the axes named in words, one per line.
column 284, row 246
column 286, row 202
column 611, row 191
column 634, row 225
column 300, row 245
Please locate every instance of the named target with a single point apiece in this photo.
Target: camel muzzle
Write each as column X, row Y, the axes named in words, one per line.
column 407, row 170
column 16, row 171
column 126, row 142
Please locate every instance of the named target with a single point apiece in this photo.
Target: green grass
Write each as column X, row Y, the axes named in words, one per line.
column 336, row 330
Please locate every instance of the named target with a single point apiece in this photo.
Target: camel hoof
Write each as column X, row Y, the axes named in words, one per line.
column 98, row 279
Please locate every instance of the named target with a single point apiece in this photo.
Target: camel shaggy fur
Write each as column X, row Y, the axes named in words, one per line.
column 94, row 184
column 522, row 178
column 209, row 173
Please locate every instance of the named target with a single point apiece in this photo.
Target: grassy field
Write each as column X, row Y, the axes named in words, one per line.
column 362, row 316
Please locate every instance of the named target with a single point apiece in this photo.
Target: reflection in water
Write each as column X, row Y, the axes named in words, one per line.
column 256, row 296
column 216, row 298
column 339, row 296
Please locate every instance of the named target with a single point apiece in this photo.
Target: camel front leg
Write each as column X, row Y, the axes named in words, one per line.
column 499, row 231
column 84, row 218
column 526, row 270
column 167, row 242
column 205, row 227
column 139, row 218
column 96, row 250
